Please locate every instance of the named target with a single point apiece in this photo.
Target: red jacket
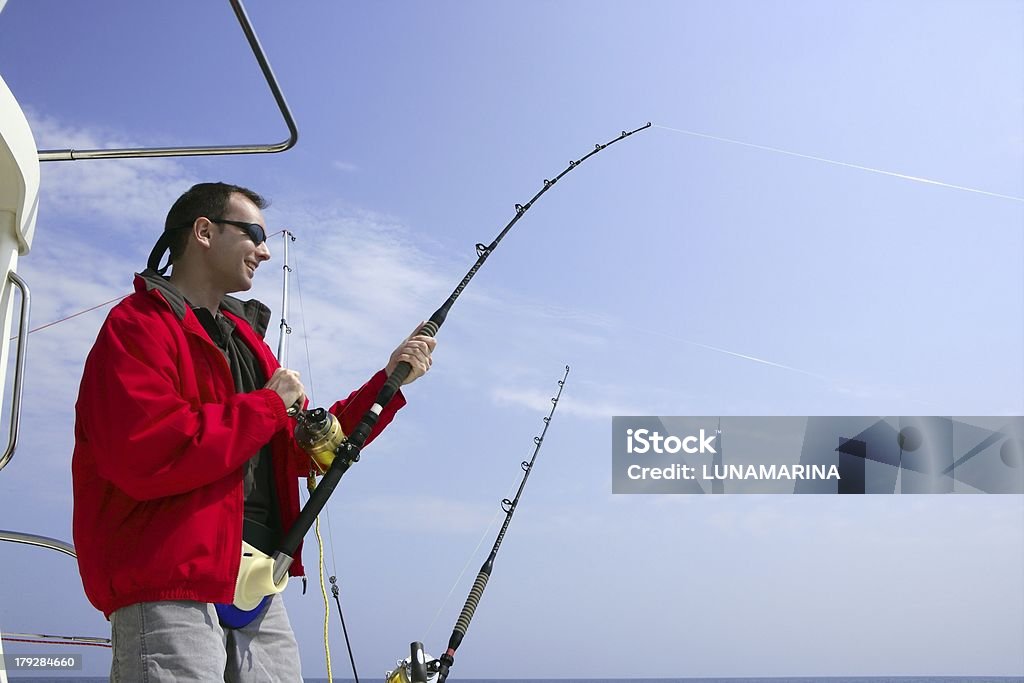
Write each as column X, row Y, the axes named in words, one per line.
column 161, row 437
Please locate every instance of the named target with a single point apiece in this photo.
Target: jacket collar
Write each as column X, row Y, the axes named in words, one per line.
column 252, row 311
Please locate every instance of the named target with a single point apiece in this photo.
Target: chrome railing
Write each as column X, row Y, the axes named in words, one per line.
column 39, row 541
column 19, row 366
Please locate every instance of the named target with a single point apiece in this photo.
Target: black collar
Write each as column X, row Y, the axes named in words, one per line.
column 252, row 311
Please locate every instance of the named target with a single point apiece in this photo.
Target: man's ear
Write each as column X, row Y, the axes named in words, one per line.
column 202, row 229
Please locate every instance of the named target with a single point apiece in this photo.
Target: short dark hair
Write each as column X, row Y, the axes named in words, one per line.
column 204, row 199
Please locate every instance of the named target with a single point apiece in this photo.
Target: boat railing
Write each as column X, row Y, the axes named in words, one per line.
column 39, row 541
column 19, row 366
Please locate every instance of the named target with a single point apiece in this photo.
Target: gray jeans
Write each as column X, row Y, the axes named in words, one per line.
column 183, row 641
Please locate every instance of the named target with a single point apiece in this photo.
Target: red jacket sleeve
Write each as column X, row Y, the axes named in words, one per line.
column 152, row 438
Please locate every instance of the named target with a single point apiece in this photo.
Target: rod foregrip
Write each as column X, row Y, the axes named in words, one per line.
column 430, row 327
column 395, row 380
column 402, row 370
column 462, row 625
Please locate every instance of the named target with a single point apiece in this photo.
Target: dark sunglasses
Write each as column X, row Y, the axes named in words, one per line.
column 255, row 231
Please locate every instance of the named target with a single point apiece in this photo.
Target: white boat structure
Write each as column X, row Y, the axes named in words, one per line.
column 19, row 203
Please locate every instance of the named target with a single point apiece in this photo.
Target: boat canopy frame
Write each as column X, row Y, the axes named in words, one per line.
column 138, row 152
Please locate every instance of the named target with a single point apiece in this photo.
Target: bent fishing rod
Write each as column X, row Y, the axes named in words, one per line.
column 319, row 433
column 407, row 672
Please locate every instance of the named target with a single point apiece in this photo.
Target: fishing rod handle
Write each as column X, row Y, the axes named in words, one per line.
column 403, row 369
column 317, row 500
column 462, row 625
column 362, row 430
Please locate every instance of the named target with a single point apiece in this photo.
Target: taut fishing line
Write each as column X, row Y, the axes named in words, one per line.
column 706, row 136
column 469, row 561
column 845, row 164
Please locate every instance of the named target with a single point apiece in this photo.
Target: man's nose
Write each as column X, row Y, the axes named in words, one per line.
column 263, row 251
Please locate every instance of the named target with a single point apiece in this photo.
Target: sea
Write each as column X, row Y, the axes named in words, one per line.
column 454, row 679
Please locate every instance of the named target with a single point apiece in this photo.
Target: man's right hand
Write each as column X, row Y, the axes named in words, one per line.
column 287, row 385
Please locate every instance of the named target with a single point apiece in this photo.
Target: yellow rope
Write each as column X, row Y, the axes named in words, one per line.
column 311, row 483
column 327, row 605
column 314, row 470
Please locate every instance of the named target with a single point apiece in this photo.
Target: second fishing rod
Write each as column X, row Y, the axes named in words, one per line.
column 319, row 432
column 420, row 667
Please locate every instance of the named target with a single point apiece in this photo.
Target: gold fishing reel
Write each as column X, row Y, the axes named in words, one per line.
column 319, row 434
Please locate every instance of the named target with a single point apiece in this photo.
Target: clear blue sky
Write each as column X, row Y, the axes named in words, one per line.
column 421, row 125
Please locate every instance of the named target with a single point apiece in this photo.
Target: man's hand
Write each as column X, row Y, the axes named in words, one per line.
column 415, row 351
column 287, row 385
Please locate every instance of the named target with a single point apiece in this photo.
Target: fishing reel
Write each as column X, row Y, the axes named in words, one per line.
column 319, row 434
column 418, row 667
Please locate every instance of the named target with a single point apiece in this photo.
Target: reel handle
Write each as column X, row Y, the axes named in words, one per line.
column 417, row 663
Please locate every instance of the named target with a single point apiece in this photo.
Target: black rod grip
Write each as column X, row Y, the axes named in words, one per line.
column 317, row 501
column 403, row 369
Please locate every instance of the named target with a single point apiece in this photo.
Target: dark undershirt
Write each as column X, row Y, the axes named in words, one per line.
column 262, row 523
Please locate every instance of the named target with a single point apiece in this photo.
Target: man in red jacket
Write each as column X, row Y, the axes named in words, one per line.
column 184, row 448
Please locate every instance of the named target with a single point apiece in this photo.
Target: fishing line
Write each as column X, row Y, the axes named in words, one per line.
column 310, row 395
column 736, row 354
column 335, row 591
column 305, row 333
column 283, row 358
column 840, row 386
column 469, row 560
column 858, row 167
column 93, row 308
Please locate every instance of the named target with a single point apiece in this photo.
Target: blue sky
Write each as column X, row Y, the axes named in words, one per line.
column 421, row 125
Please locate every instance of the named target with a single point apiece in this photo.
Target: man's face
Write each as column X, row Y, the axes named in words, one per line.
column 233, row 257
